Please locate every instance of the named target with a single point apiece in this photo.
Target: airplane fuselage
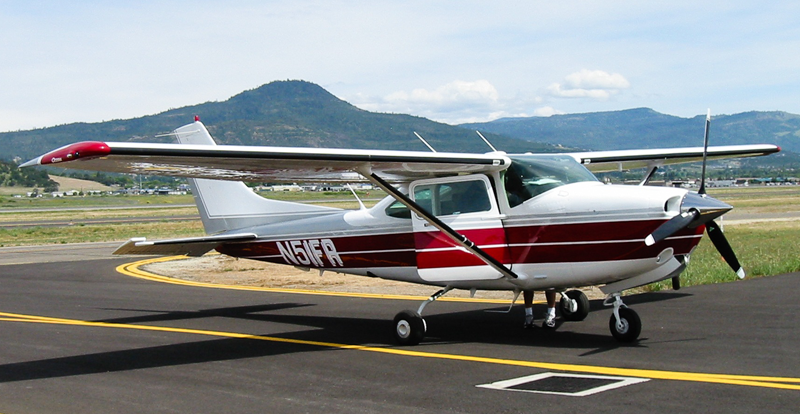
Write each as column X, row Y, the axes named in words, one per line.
column 570, row 234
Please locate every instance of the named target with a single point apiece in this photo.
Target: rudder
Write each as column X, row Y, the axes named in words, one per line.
column 231, row 205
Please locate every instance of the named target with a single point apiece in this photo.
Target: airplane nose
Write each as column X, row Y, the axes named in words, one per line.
column 706, row 208
column 696, row 209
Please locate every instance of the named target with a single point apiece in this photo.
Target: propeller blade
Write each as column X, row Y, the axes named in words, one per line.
column 676, row 283
column 671, row 227
column 702, row 189
column 724, row 248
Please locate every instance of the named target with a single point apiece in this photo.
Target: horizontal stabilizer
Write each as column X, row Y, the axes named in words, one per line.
column 192, row 246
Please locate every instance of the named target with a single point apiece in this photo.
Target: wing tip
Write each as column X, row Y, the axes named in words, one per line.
column 86, row 149
column 34, row 162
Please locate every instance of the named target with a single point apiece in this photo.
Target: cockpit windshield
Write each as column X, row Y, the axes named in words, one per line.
column 531, row 175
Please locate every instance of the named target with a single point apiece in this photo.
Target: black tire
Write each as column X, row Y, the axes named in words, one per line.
column 409, row 328
column 632, row 325
column 583, row 306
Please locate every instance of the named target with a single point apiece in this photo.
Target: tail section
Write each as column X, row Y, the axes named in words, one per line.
column 230, row 205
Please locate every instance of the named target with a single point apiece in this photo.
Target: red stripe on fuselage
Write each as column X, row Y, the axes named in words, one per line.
column 380, row 250
column 557, row 243
column 582, row 232
column 593, row 242
column 435, row 250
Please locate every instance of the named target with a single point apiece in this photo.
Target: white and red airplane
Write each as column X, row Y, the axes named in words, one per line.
column 491, row 221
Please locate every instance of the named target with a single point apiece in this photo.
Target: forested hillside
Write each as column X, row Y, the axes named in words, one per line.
column 11, row 176
column 646, row 128
column 285, row 113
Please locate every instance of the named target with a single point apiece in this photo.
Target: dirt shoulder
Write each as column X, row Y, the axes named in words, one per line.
column 221, row 269
column 68, row 184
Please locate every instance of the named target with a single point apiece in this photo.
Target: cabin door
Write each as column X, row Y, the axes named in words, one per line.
column 467, row 204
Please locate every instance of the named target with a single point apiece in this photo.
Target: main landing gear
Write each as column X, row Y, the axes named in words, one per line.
column 574, row 306
column 409, row 327
column 625, row 325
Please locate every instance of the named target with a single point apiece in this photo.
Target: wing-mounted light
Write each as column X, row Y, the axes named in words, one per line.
column 84, row 150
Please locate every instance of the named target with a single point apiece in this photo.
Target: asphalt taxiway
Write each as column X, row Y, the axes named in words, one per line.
column 95, row 336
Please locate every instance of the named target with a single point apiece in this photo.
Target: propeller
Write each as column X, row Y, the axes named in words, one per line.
column 672, row 226
column 684, row 220
column 700, row 209
column 676, row 283
column 724, row 248
column 702, row 189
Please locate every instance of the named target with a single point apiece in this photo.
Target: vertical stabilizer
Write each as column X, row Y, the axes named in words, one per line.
column 231, row 205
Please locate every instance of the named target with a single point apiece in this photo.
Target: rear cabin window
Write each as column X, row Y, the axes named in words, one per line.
column 398, row 210
column 447, row 199
column 531, row 175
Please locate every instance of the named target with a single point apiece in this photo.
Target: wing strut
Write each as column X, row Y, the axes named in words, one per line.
column 650, row 172
column 457, row 237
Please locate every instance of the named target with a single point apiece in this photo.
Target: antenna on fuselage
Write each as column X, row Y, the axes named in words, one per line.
column 702, row 189
column 360, row 204
column 424, row 142
column 486, row 141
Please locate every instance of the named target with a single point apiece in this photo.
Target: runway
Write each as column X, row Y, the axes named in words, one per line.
column 80, row 336
column 57, row 253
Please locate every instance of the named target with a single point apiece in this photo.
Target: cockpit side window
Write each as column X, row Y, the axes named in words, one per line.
column 531, row 175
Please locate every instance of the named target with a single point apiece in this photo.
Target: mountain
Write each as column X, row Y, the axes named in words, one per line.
column 283, row 113
column 646, row 128
column 299, row 113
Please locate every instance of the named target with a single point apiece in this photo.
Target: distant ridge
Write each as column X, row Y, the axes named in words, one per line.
column 646, row 128
column 282, row 113
column 303, row 114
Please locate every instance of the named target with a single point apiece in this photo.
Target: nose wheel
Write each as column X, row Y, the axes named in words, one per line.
column 629, row 326
column 625, row 325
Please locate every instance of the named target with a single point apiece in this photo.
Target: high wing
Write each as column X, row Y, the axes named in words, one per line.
column 288, row 164
column 605, row 161
column 273, row 164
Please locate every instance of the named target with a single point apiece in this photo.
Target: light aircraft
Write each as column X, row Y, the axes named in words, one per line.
column 491, row 221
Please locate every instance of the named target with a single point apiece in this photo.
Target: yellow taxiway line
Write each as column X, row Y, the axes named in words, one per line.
column 745, row 380
column 134, row 270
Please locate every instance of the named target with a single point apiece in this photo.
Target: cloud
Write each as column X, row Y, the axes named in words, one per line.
column 592, row 84
column 451, row 95
column 546, row 111
column 455, row 102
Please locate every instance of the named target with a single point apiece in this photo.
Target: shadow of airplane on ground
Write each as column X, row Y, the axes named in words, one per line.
column 461, row 326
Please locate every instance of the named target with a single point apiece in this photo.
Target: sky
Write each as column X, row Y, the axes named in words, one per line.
column 449, row 61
